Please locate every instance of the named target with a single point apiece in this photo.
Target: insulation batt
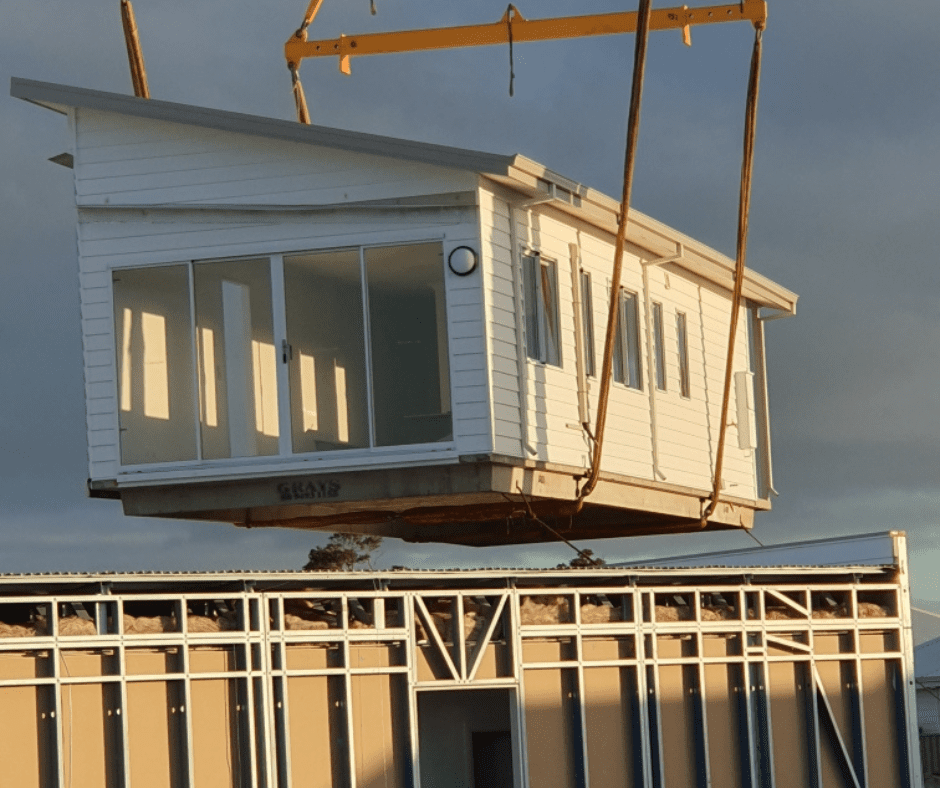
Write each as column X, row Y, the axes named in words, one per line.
column 196, row 623
column 73, row 625
column 19, row 630
column 145, row 625
column 299, row 613
column 544, row 610
column 296, row 622
column 475, row 619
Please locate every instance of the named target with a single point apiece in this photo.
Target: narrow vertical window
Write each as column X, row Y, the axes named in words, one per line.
column 683, row 336
column 659, row 347
column 627, row 369
column 587, row 323
column 542, row 323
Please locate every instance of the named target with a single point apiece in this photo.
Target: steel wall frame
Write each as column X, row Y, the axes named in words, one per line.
column 261, row 673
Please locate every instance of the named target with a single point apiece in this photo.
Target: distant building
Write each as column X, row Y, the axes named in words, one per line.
column 927, row 673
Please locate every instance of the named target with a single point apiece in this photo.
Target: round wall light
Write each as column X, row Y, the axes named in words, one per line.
column 462, row 261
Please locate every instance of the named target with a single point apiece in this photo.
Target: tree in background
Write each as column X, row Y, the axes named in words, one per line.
column 344, row 553
column 585, row 558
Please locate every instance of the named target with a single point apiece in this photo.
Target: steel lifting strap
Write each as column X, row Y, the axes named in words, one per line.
column 744, row 208
column 743, row 216
column 633, row 130
column 135, row 56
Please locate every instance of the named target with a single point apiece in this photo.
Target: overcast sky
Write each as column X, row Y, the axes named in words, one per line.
column 845, row 213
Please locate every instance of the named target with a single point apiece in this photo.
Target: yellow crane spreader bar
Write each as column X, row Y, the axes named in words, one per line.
column 512, row 27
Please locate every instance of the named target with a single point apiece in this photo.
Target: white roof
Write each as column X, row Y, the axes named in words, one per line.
column 515, row 171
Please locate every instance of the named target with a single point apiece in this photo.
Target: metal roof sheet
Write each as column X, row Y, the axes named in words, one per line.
column 875, row 549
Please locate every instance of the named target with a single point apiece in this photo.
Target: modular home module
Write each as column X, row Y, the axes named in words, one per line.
column 300, row 326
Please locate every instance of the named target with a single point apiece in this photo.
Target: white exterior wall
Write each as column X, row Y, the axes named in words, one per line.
column 125, row 161
column 687, row 428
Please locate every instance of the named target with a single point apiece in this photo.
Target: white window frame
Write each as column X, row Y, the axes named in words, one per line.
column 658, row 341
column 587, row 322
column 628, row 352
column 542, row 310
column 682, row 342
column 285, row 456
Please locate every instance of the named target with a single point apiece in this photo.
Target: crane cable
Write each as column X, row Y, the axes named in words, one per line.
column 744, row 207
column 633, row 129
column 743, row 218
column 135, row 55
column 300, row 101
column 510, row 12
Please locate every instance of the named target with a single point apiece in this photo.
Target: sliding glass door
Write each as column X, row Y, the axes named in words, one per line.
column 326, row 351
column 214, row 362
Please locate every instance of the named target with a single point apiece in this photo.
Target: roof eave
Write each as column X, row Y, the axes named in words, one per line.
column 61, row 98
column 602, row 211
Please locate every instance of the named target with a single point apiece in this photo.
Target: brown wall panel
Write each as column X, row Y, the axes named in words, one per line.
column 90, row 735
column 380, row 735
column 881, row 737
column 88, row 663
column 495, row 662
column 154, row 724
column 722, row 691
column 24, row 665
column 609, row 707
column 314, row 754
column 152, row 661
column 549, row 716
column 313, row 656
column 215, row 731
column 830, row 674
column 677, row 723
column 214, row 659
column 26, row 733
column 788, row 696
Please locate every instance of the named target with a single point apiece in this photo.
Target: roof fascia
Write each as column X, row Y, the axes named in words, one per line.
column 60, row 98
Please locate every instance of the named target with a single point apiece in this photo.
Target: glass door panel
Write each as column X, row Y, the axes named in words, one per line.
column 325, row 332
column 155, row 364
column 408, row 334
column 237, row 367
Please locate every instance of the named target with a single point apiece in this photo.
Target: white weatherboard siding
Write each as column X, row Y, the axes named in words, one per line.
column 122, row 160
column 687, row 428
column 128, row 161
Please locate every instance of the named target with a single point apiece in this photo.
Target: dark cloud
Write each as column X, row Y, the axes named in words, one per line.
column 843, row 213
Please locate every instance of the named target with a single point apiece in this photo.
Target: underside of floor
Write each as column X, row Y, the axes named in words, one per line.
column 486, row 502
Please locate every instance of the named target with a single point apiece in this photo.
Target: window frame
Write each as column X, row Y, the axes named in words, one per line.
column 628, row 350
column 659, row 346
column 538, row 321
column 285, row 456
column 682, row 342
column 587, row 323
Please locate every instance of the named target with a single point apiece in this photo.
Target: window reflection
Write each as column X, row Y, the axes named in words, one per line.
column 238, row 359
column 408, row 333
column 156, row 378
column 156, row 390
column 325, row 330
column 366, row 353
